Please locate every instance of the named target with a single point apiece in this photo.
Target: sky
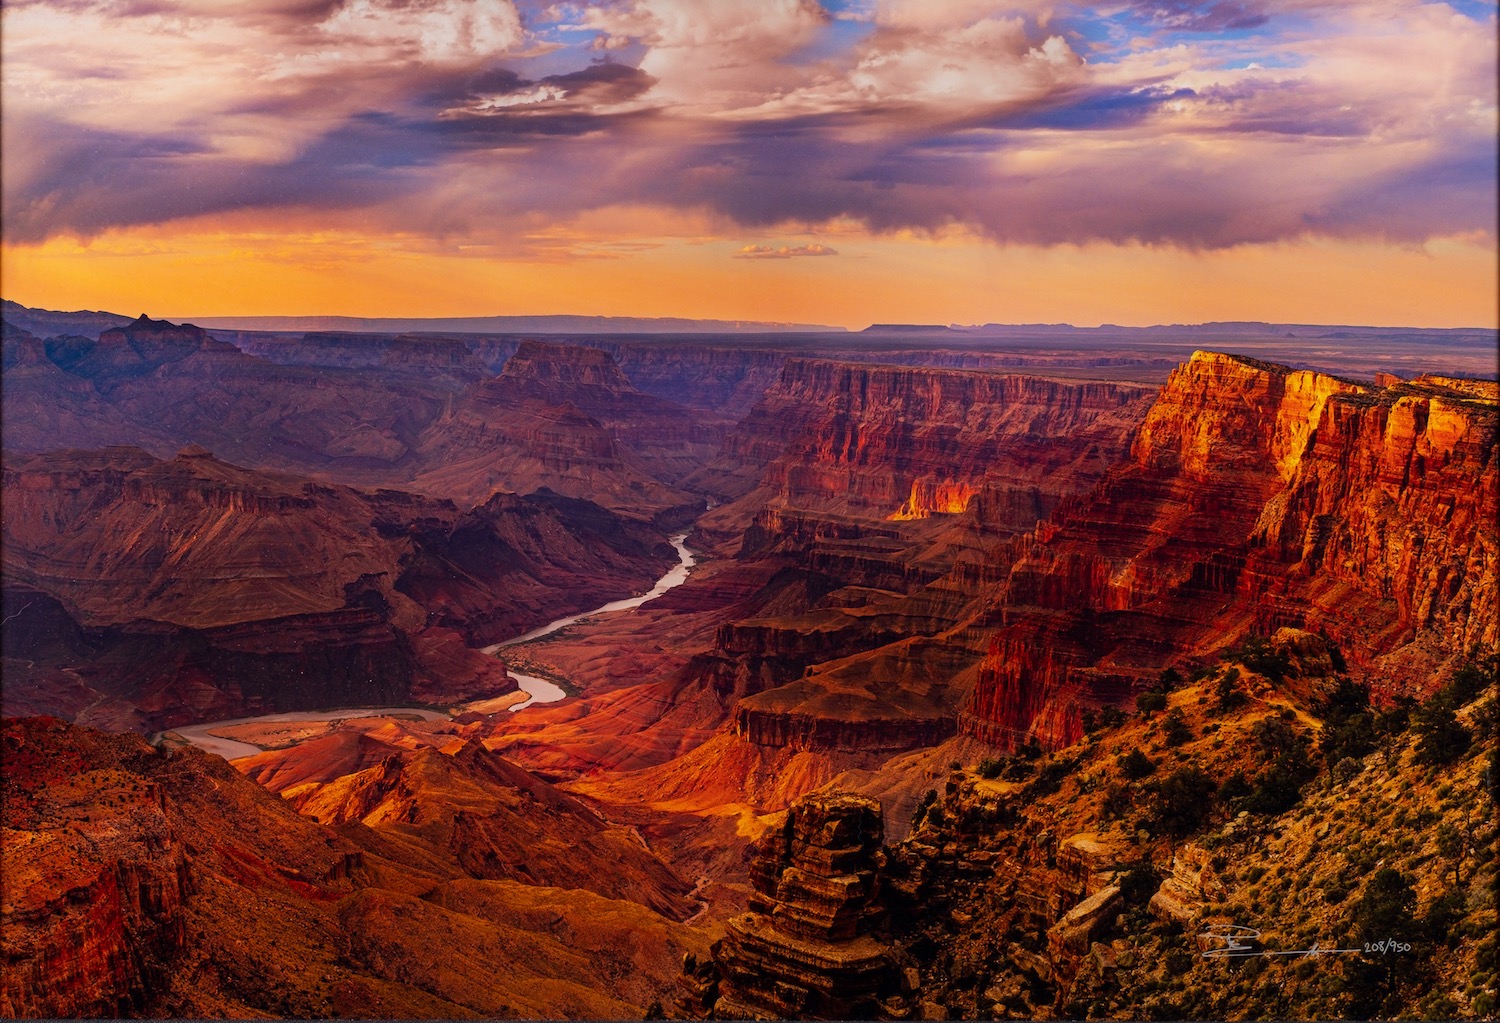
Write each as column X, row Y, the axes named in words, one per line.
column 814, row 161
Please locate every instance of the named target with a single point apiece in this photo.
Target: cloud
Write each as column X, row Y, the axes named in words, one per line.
column 1186, row 15
column 784, row 251
column 1018, row 123
column 429, row 31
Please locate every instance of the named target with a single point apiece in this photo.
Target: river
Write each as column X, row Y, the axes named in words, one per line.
column 540, row 690
column 543, row 691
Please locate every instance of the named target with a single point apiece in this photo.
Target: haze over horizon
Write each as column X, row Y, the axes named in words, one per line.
column 842, row 163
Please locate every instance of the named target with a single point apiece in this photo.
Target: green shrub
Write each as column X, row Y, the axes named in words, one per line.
column 1136, row 764
column 1050, row 778
column 1227, row 692
column 1441, row 739
column 1257, row 654
column 1139, row 883
column 1385, row 908
column 1440, row 922
column 928, row 799
column 1182, row 801
column 1476, row 674
column 1150, row 701
column 1118, row 799
column 1175, row 730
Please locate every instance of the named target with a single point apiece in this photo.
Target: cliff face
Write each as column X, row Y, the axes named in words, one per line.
column 1254, row 497
column 156, row 593
column 869, row 483
column 905, row 442
column 565, row 417
column 714, row 377
column 95, row 879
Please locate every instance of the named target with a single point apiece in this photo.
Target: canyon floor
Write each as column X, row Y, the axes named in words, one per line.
column 991, row 673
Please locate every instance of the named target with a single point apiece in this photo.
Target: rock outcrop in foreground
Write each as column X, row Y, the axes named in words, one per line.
column 805, row 949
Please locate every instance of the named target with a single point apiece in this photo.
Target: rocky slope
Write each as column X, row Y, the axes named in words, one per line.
column 1100, row 882
column 141, row 882
column 500, row 823
column 1254, row 497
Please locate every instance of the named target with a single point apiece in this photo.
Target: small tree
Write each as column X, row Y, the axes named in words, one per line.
column 1385, row 908
column 1175, row 728
column 1183, row 800
column 1453, row 846
column 1150, row 702
column 1136, row 764
column 1226, row 691
column 1111, row 717
column 1440, row 737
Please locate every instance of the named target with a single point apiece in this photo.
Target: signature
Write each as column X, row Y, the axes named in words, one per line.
column 1241, row 942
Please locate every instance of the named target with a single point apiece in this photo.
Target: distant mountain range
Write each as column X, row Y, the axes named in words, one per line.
column 48, row 323
column 511, row 324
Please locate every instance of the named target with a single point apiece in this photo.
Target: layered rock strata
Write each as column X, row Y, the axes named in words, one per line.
column 1255, row 498
column 564, row 416
column 908, row 442
column 805, row 949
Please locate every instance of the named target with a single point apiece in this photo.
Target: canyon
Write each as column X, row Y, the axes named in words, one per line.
column 935, row 574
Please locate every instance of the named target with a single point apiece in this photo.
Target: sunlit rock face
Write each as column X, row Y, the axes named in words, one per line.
column 95, row 878
column 1254, row 498
column 875, row 491
column 907, row 442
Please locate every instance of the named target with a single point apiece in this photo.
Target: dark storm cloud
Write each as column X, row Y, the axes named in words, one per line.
column 88, row 181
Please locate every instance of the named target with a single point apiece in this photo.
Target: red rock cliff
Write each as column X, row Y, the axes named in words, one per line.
column 1254, row 497
column 906, row 442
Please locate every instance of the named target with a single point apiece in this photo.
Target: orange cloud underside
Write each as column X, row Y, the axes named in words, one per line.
column 873, row 279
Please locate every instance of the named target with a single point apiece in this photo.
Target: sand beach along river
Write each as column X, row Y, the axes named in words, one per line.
column 540, row 690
